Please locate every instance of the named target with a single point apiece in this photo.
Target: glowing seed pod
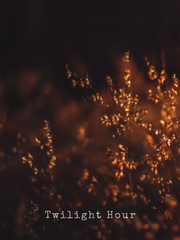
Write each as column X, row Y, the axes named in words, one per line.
column 73, row 83
column 81, row 83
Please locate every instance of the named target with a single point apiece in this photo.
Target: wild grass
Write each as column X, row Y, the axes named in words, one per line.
column 152, row 180
column 138, row 172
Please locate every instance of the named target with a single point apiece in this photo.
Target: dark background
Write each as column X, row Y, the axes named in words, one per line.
column 40, row 37
column 48, row 34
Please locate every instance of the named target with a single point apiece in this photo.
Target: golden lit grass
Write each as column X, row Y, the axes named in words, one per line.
column 114, row 150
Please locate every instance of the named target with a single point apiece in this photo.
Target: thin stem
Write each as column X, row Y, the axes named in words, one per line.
column 129, row 172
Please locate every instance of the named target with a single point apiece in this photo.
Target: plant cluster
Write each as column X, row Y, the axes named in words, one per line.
column 159, row 170
column 147, row 186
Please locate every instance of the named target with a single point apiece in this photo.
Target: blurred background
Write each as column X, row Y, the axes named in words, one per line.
column 45, row 35
column 39, row 37
column 37, row 40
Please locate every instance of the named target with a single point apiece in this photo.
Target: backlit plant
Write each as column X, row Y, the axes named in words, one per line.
column 147, row 186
